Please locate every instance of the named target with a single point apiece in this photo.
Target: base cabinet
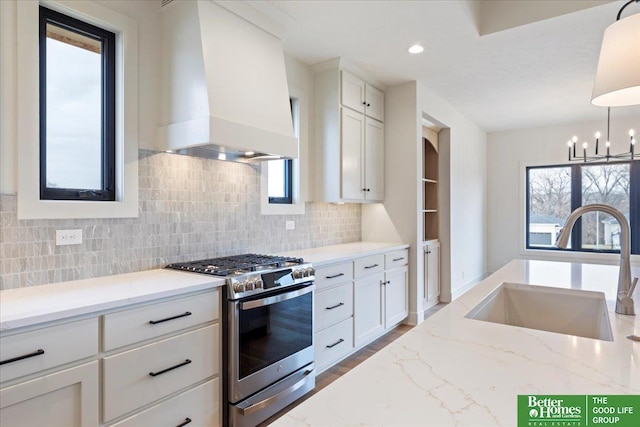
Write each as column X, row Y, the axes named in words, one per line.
column 432, row 272
column 396, row 298
column 368, row 309
column 67, row 398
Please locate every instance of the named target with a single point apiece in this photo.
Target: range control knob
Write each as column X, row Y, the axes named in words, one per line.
column 311, row 271
column 250, row 284
column 239, row 287
column 258, row 284
column 298, row 274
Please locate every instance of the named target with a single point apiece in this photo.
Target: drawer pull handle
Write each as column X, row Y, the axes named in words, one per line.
column 371, row 266
column 334, row 276
column 398, row 259
column 340, row 304
column 155, row 322
column 24, row 356
column 155, row 374
column 335, row 343
column 186, row 421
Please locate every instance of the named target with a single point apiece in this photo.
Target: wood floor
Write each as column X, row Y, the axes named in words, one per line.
column 341, row 368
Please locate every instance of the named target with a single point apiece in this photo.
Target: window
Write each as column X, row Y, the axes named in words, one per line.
column 554, row 191
column 280, row 172
column 77, row 109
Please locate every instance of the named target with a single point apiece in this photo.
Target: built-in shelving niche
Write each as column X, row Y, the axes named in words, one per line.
column 430, row 190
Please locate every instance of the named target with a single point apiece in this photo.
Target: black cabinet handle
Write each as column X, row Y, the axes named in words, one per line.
column 24, row 356
column 364, row 102
column 371, row 266
column 334, row 276
column 340, row 304
column 368, row 189
column 155, row 322
column 335, row 343
column 368, row 105
column 398, row 259
column 186, row 421
column 383, row 283
column 428, row 252
column 155, row 374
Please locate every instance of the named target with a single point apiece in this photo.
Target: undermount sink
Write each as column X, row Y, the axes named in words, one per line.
column 565, row 311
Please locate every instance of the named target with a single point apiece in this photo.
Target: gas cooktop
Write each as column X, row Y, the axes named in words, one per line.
column 236, row 264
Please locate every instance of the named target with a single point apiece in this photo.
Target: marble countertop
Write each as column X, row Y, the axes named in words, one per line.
column 451, row 370
column 329, row 254
column 37, row 304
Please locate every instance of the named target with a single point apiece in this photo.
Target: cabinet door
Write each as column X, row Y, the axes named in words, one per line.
column 368, row 309
column 396, row 304
column 67, row 398
column 374, row 99
column 352, row 138
column 374, row 160
column 432, row 271
column 352, row 92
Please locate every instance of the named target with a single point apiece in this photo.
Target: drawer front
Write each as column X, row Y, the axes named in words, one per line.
column 151, row 321
column 333, row 274
column 333, row 305
column 47, row 348
column 333, row 343
column 127, row 377
column 201, row 405
column 396, row 259
column 368, row 265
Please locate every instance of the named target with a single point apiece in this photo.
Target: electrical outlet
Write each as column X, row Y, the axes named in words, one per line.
column 68, row 237
column 290, row 225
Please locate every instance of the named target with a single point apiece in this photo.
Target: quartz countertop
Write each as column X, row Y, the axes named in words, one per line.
column 45, row 303
column 330, row 254
column 451, row 370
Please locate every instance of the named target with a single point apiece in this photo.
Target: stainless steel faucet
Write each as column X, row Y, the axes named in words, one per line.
column 624, row 301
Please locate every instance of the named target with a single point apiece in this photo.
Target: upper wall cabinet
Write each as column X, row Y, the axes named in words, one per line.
column 361, row 97
column 349, row 138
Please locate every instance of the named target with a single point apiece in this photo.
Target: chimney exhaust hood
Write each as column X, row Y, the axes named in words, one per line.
column 224, row 91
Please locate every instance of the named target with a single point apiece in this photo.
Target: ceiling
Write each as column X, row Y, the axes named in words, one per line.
column 533, row 66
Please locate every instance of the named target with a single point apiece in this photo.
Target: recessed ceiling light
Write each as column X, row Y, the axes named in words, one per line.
column 249, row 153
column 416, row 48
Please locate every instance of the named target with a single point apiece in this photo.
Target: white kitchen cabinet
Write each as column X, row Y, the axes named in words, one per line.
column 361, row 96
column 431, row 272
column 67, row 398
column 350, row 135
column 368, row 308
column 396, row 299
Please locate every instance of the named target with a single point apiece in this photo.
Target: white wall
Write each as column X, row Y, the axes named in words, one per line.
column 508, row 154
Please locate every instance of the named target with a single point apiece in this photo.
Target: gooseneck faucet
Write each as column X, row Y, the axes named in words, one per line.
column 624, row 301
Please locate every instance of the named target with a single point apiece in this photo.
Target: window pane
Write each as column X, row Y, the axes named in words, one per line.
column 549, row 204
column 74, row 110
column 609, row 185
column 276, row 178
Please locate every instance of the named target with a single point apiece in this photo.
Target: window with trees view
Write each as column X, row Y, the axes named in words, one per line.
column 554, row 191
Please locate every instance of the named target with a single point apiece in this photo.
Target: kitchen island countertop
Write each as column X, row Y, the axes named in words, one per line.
column 451, row 370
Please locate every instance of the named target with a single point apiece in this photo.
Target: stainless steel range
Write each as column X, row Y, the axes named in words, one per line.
column 269, row 316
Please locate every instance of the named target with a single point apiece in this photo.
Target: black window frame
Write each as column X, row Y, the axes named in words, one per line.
column 108, row 122
column 288, row 172
column 576, row 202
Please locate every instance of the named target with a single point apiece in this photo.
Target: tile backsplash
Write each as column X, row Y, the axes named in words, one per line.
column 189, row 208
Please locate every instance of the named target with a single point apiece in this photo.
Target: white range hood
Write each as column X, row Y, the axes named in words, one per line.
column 224, row 86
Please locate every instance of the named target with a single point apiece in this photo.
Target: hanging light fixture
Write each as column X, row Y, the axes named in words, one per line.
column 617, row 82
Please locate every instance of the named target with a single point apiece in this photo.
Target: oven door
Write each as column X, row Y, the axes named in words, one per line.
column 270, row 337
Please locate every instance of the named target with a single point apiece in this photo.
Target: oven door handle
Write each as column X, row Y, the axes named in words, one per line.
column 276, row 397
column 248, row 305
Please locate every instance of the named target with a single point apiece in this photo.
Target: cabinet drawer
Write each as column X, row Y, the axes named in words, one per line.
column 396, row 259
column 201, row 405
column 333, row 343
column 175, row 363
column 368, row 265
column 151, row 321
column 333, row 274
column 47, row 348
column 333, row 305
